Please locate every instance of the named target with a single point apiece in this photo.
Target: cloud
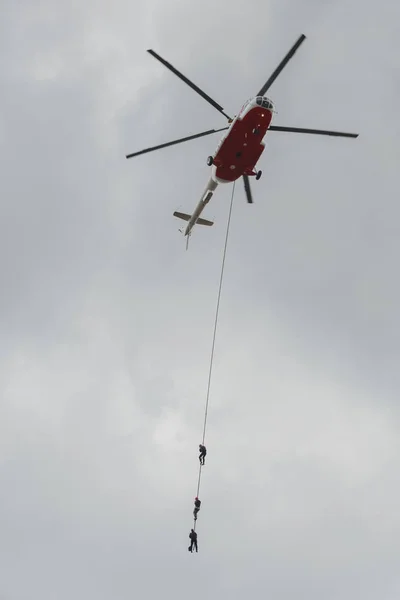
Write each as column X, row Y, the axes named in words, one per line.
column 107, row 321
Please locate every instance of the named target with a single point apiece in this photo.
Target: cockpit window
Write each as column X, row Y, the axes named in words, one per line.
column 264, row 102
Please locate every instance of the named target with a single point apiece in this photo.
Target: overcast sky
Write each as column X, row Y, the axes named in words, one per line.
column 106, row 322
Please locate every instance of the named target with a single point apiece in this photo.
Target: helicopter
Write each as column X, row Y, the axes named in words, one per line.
column 241, row 146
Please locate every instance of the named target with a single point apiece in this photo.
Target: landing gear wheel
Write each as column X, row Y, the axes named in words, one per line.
column 258, row 175
column 210, row 161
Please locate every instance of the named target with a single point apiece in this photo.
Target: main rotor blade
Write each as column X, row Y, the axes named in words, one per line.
column 317, row 131
column 189, row 83
column 247, row 189
column 281, row 65
column 185, row 139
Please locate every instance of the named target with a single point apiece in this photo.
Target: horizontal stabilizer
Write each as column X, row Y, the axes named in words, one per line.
column 186, row 217
column 204, row 222
column 182, row 216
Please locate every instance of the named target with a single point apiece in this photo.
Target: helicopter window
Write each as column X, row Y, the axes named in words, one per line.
column 264, row 102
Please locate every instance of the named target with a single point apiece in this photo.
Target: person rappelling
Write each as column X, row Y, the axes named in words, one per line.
column 197, row 504
column 203, row 452
column 193, row 541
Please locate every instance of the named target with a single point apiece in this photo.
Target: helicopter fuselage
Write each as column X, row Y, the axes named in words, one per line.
column 241, row 147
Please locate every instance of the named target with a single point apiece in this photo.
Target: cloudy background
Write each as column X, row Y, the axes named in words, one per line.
column 106, row 321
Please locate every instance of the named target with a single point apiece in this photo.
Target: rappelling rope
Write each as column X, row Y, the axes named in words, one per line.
column 214, row 335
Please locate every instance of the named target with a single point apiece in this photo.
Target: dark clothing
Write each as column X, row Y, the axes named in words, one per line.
column 193, row 545
column 197, row 504
column 203, row 453
column 193, row 541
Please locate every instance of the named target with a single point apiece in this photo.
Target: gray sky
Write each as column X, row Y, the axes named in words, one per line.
column 106, row 321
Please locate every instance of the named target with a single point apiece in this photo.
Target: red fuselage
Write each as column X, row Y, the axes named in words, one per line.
column 242, row 146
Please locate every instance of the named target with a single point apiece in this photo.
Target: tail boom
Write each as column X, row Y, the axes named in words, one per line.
column 194, row 219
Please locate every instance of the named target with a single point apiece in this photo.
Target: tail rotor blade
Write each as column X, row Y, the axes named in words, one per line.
column 185, row 139
column 281, row 65
column 316, row 131
column 188, row 82
column 247, row 189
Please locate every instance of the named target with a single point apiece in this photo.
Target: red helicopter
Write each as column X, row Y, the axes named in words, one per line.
column 241, row 147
